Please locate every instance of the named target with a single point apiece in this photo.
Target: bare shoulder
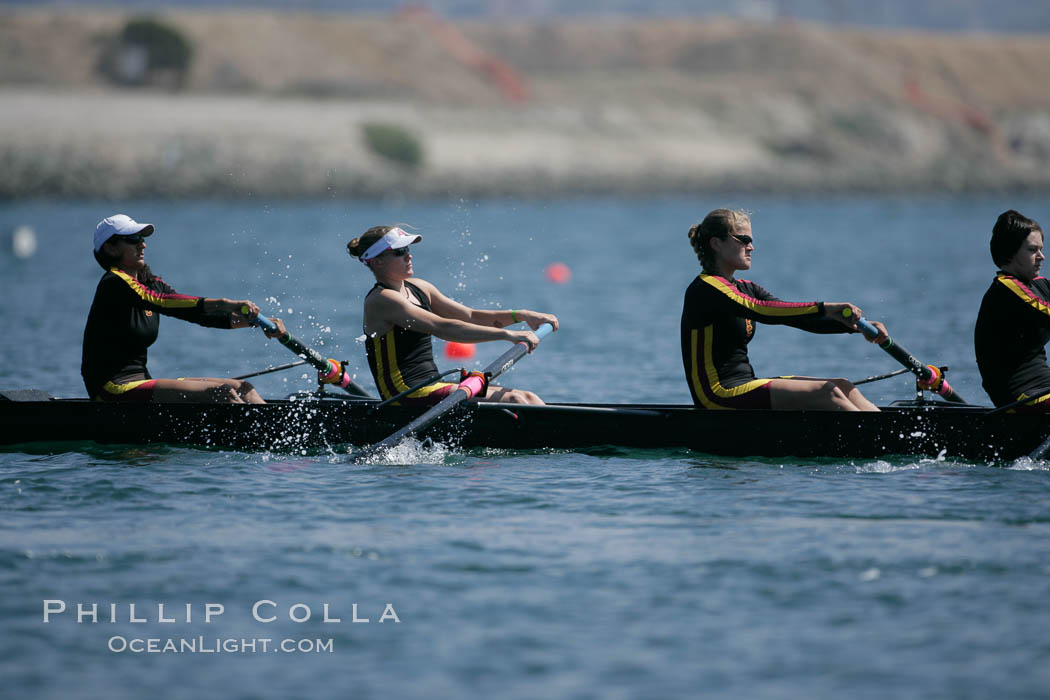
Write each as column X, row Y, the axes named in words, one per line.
column 424, row 286
column 381, row 298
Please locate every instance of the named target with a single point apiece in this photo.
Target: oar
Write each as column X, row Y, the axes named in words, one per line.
column 1038, row 452
column 332, row 372
column 880, row 377
column 929, row 377
column 271, row 370
column 465, row 390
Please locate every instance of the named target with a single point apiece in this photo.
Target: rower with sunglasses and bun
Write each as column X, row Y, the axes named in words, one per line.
column 125, row 317
column 401, row 316
column 718, row 322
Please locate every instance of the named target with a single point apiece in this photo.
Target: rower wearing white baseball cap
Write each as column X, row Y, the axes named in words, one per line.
column 125, row 317
column 401, row 316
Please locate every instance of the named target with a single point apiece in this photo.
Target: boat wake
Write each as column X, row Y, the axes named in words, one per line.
column 882, row 466
column 1027, row 464
column 408, row 452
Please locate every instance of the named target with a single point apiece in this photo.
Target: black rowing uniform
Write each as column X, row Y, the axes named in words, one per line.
column 717, row 325
column 123, row 323
column 1013, row 327
column 402, row 358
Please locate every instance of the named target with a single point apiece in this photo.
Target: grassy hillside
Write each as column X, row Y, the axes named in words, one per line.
column 276, row 103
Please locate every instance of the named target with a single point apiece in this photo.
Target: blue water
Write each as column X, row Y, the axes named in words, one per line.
column 605, row 574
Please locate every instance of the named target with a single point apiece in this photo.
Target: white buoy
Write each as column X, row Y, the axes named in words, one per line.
column 23, row 242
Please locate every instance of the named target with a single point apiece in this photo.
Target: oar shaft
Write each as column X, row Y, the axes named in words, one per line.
column 322, row 364
column 894, row 350
column 504, row 362
column 901, row 354
column 271, row 370
column 460, row 394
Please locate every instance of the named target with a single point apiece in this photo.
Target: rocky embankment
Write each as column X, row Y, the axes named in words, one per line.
column 275, row 105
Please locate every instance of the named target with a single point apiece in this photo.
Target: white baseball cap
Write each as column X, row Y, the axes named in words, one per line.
column 392, row 240
column 119, row 225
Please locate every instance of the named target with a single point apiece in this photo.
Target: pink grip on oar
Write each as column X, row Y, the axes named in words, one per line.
column 473, row 385
column 336, row 374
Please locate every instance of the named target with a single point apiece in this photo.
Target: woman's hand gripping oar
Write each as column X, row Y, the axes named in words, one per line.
column 473, row 385
column 928, row 377
column 329, row 371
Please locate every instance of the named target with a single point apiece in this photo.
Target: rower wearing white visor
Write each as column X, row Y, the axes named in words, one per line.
column 401, row 316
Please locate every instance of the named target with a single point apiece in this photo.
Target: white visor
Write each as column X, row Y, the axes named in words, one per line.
column 392, row 240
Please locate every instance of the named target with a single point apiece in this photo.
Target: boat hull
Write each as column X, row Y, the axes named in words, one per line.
column 930, row 429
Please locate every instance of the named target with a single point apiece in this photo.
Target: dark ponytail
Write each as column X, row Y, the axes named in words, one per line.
column 359, row 245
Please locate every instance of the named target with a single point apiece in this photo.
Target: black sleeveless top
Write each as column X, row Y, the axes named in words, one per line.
column 401, row 358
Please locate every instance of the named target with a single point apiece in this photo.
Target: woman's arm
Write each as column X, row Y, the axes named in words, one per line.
column 495, row 318
column 390, row 308
column 232, row 309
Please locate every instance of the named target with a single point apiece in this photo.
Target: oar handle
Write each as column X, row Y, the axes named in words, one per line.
column 870, row 332
column 930, row 377
column 266, row 324
column 543, row 331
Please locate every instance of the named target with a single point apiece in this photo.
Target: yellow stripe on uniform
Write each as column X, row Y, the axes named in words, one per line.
column 117, row 389
column 712, row 375
column 395, row 371
column 377, row 351
column 165, row 301
column 765, row 308
column 1025, row 294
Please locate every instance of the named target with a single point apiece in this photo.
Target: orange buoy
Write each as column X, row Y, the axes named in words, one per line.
column 559, row 273
column 459, row 351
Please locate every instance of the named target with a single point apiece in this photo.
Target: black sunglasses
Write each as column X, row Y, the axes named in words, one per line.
column 741, row 239
column 132, row 240
column 399, row 252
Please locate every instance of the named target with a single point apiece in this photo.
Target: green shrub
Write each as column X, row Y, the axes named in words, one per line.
column 148, row 51
column 393, row 142
column 166, row 47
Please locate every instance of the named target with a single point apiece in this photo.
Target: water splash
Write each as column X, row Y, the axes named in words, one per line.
column 408, row 452
column 1027, row 464
column 881, row 466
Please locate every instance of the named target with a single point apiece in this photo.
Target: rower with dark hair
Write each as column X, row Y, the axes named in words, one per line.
column 718, row 322
column 1013, row 324
column 401, row 316
column 125, row 317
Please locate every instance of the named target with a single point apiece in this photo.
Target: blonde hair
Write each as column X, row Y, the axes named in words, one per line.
column 720, row 223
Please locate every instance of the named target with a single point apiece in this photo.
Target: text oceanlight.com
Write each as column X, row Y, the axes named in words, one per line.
column 206, row 645
column 262, row 611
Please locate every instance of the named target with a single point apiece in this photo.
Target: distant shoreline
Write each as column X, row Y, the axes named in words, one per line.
column 275, row 106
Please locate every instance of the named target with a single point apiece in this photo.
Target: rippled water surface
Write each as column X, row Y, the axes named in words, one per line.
column 608, row 573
